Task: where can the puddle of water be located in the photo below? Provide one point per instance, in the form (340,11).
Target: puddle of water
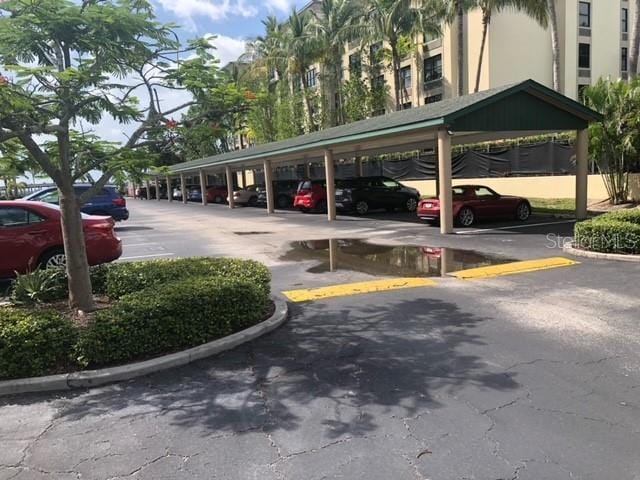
(406,260)
(252,233)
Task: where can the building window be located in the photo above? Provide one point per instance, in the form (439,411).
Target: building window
(377,113)
(310,78)
(429,37)
(405,78)
(584,55)
(406,106)
(433,68)
(378,82)
(625,20)
(355,63)
(374,52)
(584,19)
(624,60)
(433,99)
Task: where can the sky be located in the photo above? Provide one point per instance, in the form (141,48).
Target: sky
(232,22)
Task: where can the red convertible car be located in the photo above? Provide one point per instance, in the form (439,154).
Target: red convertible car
(31,236)
(474,202)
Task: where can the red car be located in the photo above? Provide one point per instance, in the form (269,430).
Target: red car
(217,194)
(31,236)
(311,196)
(473,202)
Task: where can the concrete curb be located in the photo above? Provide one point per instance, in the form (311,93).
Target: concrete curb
(578,252)
(92,378)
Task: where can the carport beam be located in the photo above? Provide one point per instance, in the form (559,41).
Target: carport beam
(230,187)
(582,173)
(331,185)
(169,190)
(444,181)
(203,187)
(183,188)
(268,184)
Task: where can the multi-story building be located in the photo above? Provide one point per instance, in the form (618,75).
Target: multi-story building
(594,42)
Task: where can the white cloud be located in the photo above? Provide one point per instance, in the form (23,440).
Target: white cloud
(212,9)
(228,49)
(279,5)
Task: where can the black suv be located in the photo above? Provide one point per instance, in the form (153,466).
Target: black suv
(284,191)
(362,194)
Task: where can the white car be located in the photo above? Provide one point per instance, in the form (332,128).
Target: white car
(247,196)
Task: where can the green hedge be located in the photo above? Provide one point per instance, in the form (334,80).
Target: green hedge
(118,279)
(170,317)
(614,232)
(34,342)
(123,278)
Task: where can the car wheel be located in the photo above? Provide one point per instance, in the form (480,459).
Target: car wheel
(53,259)
(283,201)
(466,217)
(217,199)
(362,207)
(411,204)
(253,201)
(523,211)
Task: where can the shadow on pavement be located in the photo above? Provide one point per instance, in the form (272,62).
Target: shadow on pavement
(332,370)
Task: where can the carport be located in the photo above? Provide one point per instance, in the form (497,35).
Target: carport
(518,110)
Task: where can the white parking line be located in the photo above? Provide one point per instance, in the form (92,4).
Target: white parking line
(483,230)
(147,256)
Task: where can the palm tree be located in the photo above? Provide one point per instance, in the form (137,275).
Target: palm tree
(300,47)
(635,44)
(267,52)
(454,11)
(390,20)
(333,25)
(536,9)
(555,43)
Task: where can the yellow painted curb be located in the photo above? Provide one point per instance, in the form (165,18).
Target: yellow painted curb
(513,268)
(346,289)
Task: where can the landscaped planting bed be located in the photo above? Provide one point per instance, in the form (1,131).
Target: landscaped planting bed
(613,232)
(148,309)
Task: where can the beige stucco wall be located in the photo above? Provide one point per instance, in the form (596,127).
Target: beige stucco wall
(474,41)
(519,49)
(535,187)
(606,40)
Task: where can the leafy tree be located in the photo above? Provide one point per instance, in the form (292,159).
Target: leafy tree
(615,143)
(76,63)
(555,43)
(390,20)
(536,9)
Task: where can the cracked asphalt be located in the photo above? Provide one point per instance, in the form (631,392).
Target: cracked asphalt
(530,377)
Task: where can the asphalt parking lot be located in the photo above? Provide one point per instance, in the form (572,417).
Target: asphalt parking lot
(532,376)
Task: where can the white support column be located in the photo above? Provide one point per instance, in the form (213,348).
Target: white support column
(158,185)
(203,186)
(582,173)
(444,170)
(307,169)
(183,188)
(329,169)
(169,189)
(147,186)
(268,185)
(230,187)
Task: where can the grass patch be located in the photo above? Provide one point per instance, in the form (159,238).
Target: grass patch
(553,205)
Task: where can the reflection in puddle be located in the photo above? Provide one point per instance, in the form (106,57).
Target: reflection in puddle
(360,256)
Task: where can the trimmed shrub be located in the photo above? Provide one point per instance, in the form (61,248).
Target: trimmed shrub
(34,342)
(631,215)
(608,235)
(168,317)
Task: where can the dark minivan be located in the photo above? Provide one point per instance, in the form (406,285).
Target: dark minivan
(361,194)
(107,201)
(284,192)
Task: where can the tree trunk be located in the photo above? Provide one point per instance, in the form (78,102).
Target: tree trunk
(460,18)
(395,64)
(486,18)
(307,105)
(555,44)
(635,44)
(79,280)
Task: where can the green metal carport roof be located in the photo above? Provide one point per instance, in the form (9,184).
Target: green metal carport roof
(520,109)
